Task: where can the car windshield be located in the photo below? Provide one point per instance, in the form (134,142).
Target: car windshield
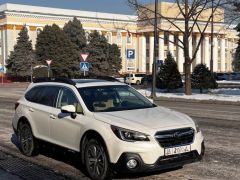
(113,98)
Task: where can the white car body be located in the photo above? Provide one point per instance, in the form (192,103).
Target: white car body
(68,132)
(134,78)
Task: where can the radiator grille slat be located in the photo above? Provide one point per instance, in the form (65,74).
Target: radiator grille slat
(175,137)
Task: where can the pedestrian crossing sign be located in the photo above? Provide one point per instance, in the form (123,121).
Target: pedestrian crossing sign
(84,66)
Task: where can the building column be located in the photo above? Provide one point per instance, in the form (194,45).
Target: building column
(180,57)
(206,51)
(199,52)
(143,53)
(161,46)
(151,52)
(171,44)
(215,54)
(222,58)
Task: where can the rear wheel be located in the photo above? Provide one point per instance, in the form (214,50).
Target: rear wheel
(28,144)
(138,82)
(96,160)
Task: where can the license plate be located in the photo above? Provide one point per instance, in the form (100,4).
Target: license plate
(177,150)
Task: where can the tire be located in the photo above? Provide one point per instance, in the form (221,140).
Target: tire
(96,160)
(138,82)
(28,144)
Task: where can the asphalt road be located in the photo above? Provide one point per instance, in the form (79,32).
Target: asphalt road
(220,125)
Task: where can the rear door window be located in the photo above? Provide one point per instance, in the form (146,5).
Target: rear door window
(49,95)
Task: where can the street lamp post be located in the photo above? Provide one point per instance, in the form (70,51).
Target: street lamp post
(153,93)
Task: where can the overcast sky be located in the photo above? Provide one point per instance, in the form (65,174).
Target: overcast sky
(112,6)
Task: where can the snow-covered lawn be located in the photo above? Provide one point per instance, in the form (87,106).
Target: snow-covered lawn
(221,94)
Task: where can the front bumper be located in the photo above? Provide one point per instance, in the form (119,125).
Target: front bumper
(164,162)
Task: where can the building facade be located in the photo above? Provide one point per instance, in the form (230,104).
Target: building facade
(127,31)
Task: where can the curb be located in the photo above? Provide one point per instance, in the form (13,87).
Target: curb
(197,101)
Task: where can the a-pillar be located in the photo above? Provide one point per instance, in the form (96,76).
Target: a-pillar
(206,51)
(222,52)
(180,58)
(171,43)
(161,46)
(151,51)
(143,53)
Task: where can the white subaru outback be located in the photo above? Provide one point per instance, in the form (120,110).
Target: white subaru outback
(110,124)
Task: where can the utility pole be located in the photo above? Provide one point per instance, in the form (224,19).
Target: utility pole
(154,67)
(212,45)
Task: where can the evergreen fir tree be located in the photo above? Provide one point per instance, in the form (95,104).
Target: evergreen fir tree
(236,61)
(202,78)
(114,59)
(104,58)
(22,57)
(76,33)
(53,43)
(169,74)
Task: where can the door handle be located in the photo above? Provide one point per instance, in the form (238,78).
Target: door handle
(31,109)
(52,117)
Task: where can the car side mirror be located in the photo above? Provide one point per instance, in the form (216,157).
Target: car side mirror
(69,109)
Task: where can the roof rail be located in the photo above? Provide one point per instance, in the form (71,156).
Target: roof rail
(58,79)
(106,78)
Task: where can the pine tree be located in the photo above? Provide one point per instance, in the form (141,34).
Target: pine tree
(22,57)
(104,58)
(169,74)
(202,78)
(236,61)
(76,33)
(114,59)
(53,43)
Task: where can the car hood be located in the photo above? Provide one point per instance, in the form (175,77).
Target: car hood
(159,118)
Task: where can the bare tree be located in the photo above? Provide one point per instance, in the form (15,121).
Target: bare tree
(196,15)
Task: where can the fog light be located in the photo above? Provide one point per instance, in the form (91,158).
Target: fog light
(132,163)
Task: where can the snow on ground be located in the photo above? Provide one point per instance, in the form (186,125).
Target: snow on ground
(221,94)
(228,82)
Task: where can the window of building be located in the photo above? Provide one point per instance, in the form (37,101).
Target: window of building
(147,53)
(39,30)
(166,36)
(129,38)
(119,37)
(109,37)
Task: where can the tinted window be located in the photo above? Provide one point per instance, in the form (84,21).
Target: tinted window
(33,94)
(139,75)
(113,98)
(45,95)
(67,97)
(48,95)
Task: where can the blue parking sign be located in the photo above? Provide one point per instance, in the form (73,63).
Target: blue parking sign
(130,53)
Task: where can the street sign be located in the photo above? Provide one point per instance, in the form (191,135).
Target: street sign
(84,56)
(1,68)
(130,53)
(84,66)
(49,62)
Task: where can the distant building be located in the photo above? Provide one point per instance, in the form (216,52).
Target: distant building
(127,31)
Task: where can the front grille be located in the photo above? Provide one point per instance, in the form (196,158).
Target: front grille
(175,137)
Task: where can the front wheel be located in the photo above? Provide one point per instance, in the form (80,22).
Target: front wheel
(96,160)
(138,82)
(28,144)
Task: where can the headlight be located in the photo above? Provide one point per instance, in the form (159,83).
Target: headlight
(129,135)
(196,125)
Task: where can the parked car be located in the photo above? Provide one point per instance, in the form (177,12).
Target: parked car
(110,125)
(222,76)
(134,78)
(147,81)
